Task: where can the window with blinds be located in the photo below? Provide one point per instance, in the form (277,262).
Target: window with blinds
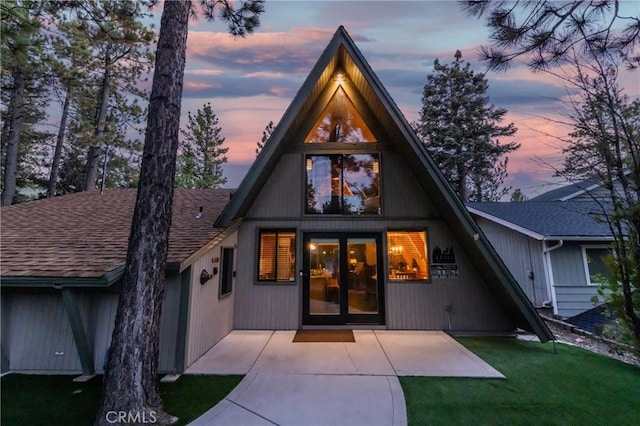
(277,256)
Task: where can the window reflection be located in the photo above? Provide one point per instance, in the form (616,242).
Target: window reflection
(340,122)
(343,184)
(407,255)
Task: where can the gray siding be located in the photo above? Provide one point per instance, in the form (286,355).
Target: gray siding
(520,254)
(405,206)
(37,336)
(283,190)
(574,300)
(424,306)
(169,322)
(210,317)
(40,334)
(568,266)
(573,295)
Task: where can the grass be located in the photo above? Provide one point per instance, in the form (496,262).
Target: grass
(572,387)
(56,400)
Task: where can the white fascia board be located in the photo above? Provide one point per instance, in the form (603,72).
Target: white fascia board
(507,224)
(580,192)
(577,238)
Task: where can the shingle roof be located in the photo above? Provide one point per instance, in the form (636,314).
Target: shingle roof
(85,235)
(549,219)
(559,194)
(591,319)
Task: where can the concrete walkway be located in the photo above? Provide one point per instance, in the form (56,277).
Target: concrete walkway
(346,384)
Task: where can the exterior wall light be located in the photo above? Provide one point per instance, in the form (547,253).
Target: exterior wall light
(204,277)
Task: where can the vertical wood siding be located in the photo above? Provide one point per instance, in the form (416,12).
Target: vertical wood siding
(568,266)
(405,206)
(281,195)
(520,254)
(169,322)
(210,318)
(409,305)
(37,328)
(104,308)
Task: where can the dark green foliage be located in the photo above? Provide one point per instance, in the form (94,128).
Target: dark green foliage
(605,146)
(56,400)
(200,162)
(571,387)
(266,134)
(131,382)
(544,32)
(460,129)
(518,197)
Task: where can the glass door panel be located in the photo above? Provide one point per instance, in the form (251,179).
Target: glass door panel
(324,276)
(342,281)
(362,276)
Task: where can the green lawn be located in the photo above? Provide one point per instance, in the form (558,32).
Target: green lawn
(56,400)
(574,387)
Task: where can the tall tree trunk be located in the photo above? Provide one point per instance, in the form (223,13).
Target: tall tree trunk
(13,138)
(93,156)
(131,381)
(55,164)
(463,191)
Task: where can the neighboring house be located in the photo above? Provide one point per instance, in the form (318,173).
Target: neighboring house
(343,220)
(554,249)
(590,189)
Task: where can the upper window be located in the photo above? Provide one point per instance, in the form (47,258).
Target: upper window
(277,256)
(595,265)
(407,255)
(339,122)
(343,184)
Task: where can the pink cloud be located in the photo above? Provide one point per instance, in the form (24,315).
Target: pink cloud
(205,46)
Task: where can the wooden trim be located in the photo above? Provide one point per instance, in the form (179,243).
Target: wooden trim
(105,280)
(183,319)
(79,335)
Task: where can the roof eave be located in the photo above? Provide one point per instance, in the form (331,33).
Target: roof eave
(507,224)
(105,280)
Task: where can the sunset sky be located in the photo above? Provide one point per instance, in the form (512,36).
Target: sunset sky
(252,81)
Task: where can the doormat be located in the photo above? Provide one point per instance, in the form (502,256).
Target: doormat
(324,336)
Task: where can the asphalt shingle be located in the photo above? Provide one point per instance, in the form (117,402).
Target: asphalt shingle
(86,234)
(551,218)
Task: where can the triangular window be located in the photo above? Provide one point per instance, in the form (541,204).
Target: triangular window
(340,122)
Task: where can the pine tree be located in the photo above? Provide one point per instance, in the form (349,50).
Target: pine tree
(200,163)
(545,32)
(266,134)
(460,129)
(24,69)
(605,145)
(518,197)
(131,379)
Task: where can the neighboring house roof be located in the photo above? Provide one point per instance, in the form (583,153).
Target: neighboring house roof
(592,319)
(83,237)
(566,192)
(551,220)
(342,55)
(575,190)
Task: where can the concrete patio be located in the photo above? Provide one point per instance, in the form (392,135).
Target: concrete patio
(351,383)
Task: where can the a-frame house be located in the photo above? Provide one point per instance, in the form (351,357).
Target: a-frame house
(344,219)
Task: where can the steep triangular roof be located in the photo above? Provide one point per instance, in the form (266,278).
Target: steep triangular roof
(342,55)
